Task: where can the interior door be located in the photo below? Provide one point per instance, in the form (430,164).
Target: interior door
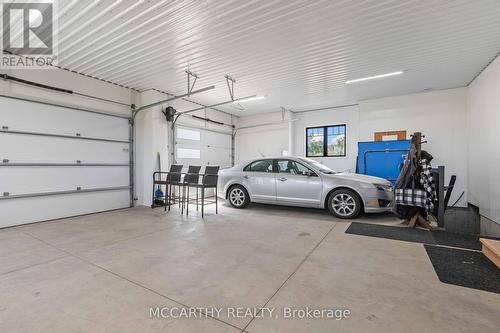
(292,186)
(260,179)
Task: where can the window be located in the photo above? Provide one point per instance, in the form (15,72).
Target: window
(260,166)
(187,134)
(315,141)
(291,167)
(336,140)
(325,141)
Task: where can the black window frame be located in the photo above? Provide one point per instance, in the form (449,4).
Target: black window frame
(325,140)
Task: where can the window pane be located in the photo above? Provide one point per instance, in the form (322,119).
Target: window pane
(291,167)
(333,130)
(186,134)
(315,142)
(261,166)
(282,166)
(300,168)
(336,141)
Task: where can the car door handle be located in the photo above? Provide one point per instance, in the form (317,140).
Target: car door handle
(282,179)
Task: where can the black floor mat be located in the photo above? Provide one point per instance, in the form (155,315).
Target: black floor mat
(464,268)
(415,235)
(457,240)
(397,233)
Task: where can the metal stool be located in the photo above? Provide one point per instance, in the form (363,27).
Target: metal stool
(173,179)
(209,180)
(192,177)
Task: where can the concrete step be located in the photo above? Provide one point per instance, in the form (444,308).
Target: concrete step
(491,249)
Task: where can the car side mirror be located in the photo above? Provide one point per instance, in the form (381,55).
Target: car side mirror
(307,173)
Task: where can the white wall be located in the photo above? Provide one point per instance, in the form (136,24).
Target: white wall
(151,138)
(269,140)
(440,115)
(484,140)
(348,115)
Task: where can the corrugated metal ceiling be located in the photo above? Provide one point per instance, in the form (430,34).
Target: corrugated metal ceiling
(297,53)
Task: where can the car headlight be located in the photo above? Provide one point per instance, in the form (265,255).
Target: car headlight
(384,187)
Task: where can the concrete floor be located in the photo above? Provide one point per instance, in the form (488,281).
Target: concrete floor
(103,272)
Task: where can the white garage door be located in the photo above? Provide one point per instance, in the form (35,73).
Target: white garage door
(58,162)
(198,146)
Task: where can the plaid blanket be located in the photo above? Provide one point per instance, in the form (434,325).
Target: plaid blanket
(411,197)
(427,182)
(424,197)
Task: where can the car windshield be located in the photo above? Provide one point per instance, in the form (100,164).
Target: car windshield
(320,167)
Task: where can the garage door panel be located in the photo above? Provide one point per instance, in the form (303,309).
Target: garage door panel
(216,139)
(191,145)
(20,180)
(29,148)
(40,180)
(213,148)
(29,116)
(28,210)
(217,156)
(185,162)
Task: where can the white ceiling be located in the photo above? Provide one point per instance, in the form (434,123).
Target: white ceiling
(297,53)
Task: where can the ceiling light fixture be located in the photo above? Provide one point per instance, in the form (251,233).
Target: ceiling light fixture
(374,77)
(248,99)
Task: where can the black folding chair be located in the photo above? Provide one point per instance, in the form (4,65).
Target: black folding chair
(209,180)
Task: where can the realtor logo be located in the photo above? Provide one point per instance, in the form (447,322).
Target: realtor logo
(28,34)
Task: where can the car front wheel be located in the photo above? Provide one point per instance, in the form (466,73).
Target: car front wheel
(238,197)
(344,204)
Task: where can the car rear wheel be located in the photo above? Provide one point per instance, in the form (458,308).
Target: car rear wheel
(238,197)
(344,204)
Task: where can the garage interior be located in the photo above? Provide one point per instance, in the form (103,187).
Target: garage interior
(99,234)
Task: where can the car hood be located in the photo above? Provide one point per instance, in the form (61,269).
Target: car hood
(359,178)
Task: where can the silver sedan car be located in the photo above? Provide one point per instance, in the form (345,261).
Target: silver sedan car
(297,181)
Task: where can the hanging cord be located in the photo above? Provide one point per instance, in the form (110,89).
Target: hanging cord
(460,197)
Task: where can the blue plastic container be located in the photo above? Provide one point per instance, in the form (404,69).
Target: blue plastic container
(382,158)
